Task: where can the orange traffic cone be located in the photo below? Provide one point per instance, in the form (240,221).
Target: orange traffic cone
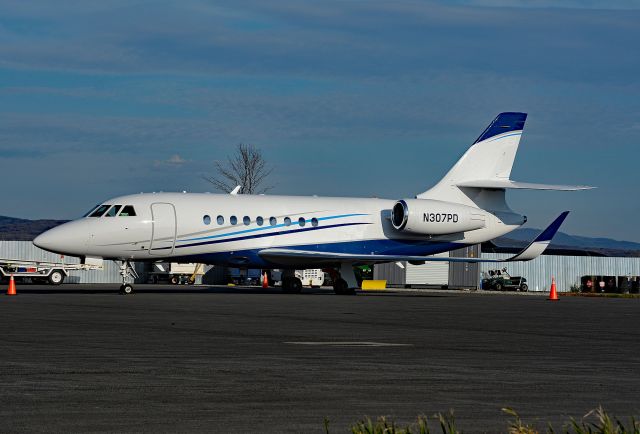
(553,295)
(265,281)
(12,287)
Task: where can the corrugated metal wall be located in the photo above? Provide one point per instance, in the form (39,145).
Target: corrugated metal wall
(464,274)
(26,251)
(394,275)
(566,269)
(429,273)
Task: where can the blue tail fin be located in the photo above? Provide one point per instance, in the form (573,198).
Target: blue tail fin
(503,123)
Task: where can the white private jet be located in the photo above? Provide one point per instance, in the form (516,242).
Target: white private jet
(290,232)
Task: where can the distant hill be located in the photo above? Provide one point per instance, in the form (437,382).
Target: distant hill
(562,239)
(603,246)
(14,229)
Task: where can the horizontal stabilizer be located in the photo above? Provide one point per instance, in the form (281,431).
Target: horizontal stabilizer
(284,256)
(509,184)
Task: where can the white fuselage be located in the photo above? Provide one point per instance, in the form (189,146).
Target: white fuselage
(199,228)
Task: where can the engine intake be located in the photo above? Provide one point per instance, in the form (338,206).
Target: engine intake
(434,217)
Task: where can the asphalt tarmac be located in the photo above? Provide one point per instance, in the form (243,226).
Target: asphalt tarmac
(81,358)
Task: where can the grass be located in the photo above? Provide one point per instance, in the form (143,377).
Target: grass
(597,421)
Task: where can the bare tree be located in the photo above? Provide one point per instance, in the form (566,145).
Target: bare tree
(246,168)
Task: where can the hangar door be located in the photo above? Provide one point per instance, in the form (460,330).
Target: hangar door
(163,235)
(429,273)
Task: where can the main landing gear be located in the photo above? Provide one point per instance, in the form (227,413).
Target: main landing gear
(129,275)
(345,282)
(290,283)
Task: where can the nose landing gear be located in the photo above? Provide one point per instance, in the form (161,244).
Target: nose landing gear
(129,275)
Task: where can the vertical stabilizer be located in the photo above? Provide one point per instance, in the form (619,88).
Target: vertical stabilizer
(489,158)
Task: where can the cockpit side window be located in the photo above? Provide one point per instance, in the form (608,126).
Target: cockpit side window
(101,210)
(128,211)
(113,211)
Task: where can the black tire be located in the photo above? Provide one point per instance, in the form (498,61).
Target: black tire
(498,286)
(175,279)
(126,289)
(56,277)
(341,287)
(292,285)
(524,287)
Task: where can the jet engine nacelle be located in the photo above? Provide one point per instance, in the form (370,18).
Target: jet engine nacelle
(434,217)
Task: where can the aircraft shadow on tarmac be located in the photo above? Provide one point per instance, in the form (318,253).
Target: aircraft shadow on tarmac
(183,289)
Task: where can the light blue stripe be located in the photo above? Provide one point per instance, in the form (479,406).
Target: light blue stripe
(293,223)
(519,133)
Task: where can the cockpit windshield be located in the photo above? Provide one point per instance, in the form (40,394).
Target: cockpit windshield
(91,210)
(113,211)
(101,210)
(128,211)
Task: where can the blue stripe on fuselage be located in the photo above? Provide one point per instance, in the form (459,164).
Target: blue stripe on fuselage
(270,234)
(251,258)
(281,225)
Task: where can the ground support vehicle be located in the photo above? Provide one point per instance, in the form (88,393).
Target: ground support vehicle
(312,277)
(53,273)
(501,280)
(243,276)
(176,273)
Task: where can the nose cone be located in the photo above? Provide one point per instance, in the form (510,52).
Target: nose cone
(68,238)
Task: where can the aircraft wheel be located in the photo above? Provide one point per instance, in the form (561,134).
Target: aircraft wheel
(126,289)
(56,277)
(292,285)
(341,287)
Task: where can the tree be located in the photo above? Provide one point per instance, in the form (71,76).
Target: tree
(246,168)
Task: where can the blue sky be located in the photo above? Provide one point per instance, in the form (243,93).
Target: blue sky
(351,98)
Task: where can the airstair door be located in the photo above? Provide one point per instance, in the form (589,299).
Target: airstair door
(163,235)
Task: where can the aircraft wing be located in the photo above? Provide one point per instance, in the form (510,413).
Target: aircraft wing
(286,256)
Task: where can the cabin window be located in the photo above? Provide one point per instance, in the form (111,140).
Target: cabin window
(113,211)
(246,220)
(220,220)
(128,211)
(273,221)
(314,222)
(206,220)
(101,210)
(233,220)
(259,220)
(301,221)
(287,221)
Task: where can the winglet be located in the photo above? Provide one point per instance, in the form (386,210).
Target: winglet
(542,241)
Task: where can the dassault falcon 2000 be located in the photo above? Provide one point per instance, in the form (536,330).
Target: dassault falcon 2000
(466,207)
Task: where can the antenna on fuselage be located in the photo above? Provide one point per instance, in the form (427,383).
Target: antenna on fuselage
(235,190)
